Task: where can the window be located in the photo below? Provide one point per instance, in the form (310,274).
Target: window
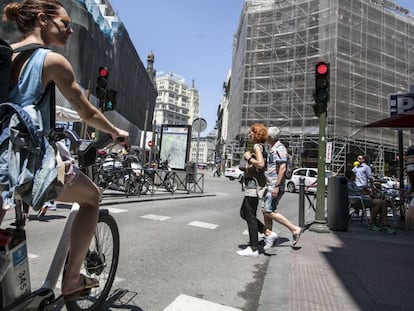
(301,173)
(313,173)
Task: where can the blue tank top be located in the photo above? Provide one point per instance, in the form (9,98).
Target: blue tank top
(30,87)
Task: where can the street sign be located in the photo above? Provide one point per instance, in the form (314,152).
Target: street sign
(149,143)
(328,157)
(400,103)
(199,125)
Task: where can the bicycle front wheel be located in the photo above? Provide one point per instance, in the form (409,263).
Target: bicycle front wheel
(101,262)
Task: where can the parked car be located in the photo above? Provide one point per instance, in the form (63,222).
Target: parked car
(311,177)
(233,173)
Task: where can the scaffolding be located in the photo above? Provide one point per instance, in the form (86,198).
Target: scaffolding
(369,45)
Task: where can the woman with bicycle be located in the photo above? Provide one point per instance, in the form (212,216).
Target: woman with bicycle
(46,22)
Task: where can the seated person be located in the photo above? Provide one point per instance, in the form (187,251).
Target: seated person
(409,167)
(377,206)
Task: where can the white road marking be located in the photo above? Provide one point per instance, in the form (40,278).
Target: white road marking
(155,217)
(188,303)
(223,193)
(205,225)
(116,210)
(32,256)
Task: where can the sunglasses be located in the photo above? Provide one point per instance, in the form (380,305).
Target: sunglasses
(66,23)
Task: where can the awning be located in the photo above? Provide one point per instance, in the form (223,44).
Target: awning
(401,121)
(66,115)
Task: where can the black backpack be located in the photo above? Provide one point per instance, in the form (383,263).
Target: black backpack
(22,147)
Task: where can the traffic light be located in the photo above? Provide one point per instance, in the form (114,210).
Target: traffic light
(321,94)
(102,83)
(110,100)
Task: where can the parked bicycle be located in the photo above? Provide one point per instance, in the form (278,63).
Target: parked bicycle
(162,176)
(101,261)
(120,172)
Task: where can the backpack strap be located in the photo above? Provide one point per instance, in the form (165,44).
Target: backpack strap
(278,154)
(29,47)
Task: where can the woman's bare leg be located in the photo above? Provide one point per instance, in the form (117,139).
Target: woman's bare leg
(86,194)
(284,221)
(268,223)
(2,211)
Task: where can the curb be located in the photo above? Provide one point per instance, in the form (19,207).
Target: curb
(117,200)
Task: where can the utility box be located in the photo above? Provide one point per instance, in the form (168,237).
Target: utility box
(337,203)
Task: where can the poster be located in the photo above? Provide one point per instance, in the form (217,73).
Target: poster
(175,145)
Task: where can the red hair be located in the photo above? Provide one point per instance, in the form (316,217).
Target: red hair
(260,132)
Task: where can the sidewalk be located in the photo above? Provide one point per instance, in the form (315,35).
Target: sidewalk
(353,270)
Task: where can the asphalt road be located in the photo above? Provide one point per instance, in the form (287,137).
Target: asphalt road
(173,249)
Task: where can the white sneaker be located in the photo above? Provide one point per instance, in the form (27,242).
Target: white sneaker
(51,206)
(248,252)
(269,240)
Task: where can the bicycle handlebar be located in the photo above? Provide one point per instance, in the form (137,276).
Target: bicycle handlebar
(86,149)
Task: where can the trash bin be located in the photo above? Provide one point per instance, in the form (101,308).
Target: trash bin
(190,172)
(337,203)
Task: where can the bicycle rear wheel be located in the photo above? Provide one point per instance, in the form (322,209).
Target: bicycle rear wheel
(101,262)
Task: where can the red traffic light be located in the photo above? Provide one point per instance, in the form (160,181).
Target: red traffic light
(322,68)
(103,72)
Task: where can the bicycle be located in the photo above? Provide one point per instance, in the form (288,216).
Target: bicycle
(162,177)
(120,173)
(101,261)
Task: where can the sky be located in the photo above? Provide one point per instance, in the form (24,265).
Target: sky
(191,38)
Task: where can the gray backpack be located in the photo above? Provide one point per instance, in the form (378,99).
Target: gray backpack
(289,165)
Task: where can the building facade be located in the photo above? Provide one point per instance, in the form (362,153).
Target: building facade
(369,47)
(177,103)
(205,146)
(100,39)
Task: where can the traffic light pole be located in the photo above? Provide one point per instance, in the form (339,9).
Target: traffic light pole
(144,156)
(320,224)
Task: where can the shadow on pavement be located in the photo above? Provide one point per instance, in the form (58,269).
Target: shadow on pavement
(375,268)
(122,299)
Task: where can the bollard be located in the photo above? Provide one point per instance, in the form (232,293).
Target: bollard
(301,201)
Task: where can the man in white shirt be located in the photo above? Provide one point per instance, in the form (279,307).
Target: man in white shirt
(362,173)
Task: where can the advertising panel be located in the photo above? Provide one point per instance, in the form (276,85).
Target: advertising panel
(175,145)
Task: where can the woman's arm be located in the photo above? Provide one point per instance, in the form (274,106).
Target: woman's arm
(257,160)
(58,69)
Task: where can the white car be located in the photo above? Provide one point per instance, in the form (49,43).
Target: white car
(233,173)
(311,178)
